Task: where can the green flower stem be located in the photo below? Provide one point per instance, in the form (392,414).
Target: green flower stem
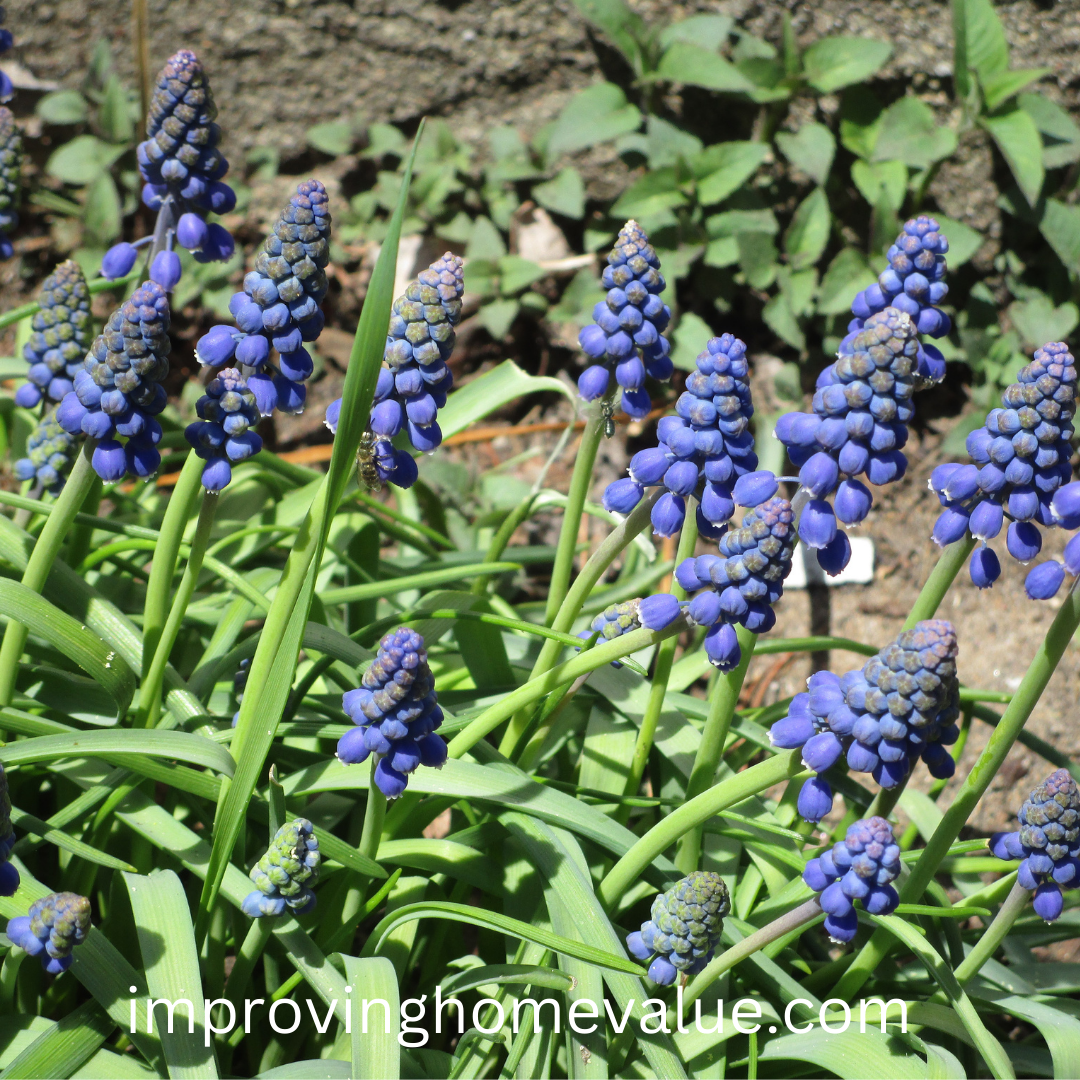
(166,552)
(615,542)
(665,657)
(566,672)
(690,815)
(79,545)
(374,818)
(247,956)
(9,975)
(502,538)
(52,536)
(950,563)
(150,693)
(725,696)
(994,934)
(580,482)
(974,786)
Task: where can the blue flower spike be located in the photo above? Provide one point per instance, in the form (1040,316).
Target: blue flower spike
(860,867)
(284,875)
(59,337)
(50,453)
(11,159)
(225,433)
(1019,473)
(703,450)
(9,875)
(741,584)
(655,612)
(902,705)
(414,381)
(54,925)
(119,392)
(279,308)
(7,87)
(1047,843)
(683,928)
(627,334)
(396,714)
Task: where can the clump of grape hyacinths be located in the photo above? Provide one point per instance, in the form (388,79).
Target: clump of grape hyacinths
(1019,461)
(627,334)
(858,427)
(1047,843)
(54,925)
(119,390)
(224,433)
(182,168)
(11,158)
(59,337)
(284,875)
(396,713)
(683,929)
(279,307)
(902,705)
(861,867)
(9,876)
(413,385)
(239,683)
(913,282)
(701,451)
(7,88)
(740,585)
(50,452)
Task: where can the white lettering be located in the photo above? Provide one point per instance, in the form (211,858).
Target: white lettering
(580,1006)
(296,1016)
(737,1015)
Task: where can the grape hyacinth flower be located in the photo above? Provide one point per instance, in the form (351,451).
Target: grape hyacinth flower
(239,684)
(858,426)
(396,713)
(50,452)
(1019,464)
(655,612)
(900,706)
(59,338)
(279,307)
(740,585)
(224,433)
(701,450)
(913,282)
(284,875)
(182,169)
(119,390)
(415,380)
(54,925)
(11,158)
(9,875)
(683,929)
(627,334)
(7,87)
(1047,843)
(860,867)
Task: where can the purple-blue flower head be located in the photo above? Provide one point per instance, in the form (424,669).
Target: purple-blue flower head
(50,453)
(626,335)
(225,432)
(54,925)
(11,158)
(9,876)
(284,875)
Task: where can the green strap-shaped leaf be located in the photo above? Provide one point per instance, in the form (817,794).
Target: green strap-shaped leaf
(852,1055)
(37,827)
(66,1046)
(60,630)
(375,1052)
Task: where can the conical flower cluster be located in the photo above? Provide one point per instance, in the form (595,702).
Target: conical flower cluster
(913,282)
(653,612)
(54,925)
(413,385)
(702,450)
(627,334)
(740,585)
(279,307)
(11,158)
(9,876)
(684,927)
(284,875)
(225,433)
(50,452)
(860,867)
(900,706)
(59,338)
(396,713)
(1020,458)
(118,392)
(858,427)
(7,87)
(1048,843)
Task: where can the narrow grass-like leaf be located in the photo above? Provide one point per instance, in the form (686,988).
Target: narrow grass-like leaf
(58,838)
(348,594)
(176,745)
(506,975)
(65,1047)
(852,1055)
(376,1052)
(312,1069)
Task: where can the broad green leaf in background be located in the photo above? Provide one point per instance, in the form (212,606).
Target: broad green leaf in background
(1038,321)
(689,339)
(1055,124)
(595,115)
(667,144)
(621,24)
(810,149)
(705,31)
(101,214)
(964,241)
(687,63)
(82,160)
(861,114)
(757,258)
(564,195)
(908,133)
(63,107)
(376,1051)
(738,161)
(498,316)
(808,233)
(1018,139)
(335,137)
(878,179)
(848,274)
(655,192)
(835,62)
(485,241)
(517,273)
(114,112)
(997,89)
(980,42)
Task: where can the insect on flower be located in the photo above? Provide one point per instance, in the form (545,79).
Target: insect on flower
(367,475)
